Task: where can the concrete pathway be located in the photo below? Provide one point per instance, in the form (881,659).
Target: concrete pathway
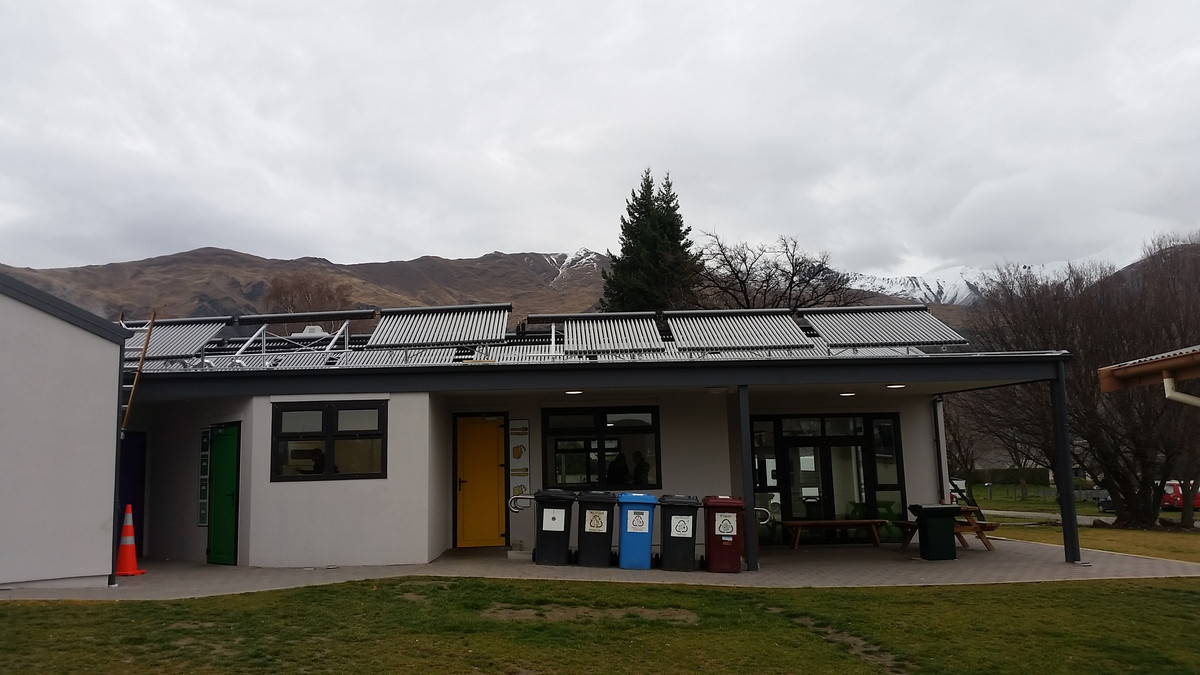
(1049,517)
(781,567)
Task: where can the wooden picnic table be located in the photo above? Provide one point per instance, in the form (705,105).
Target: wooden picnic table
(966,524)
(797,527)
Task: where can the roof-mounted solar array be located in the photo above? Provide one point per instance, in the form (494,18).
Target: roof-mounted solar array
(888,326)
(173,339)
(736,330)
(604,333)
(474,335)
(433,326)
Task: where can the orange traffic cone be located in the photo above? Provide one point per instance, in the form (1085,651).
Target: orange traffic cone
(127,551)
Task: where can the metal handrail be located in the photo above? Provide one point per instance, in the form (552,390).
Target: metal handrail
(512,502)
(765,511)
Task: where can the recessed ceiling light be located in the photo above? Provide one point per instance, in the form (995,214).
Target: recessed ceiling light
(574,392)
(896,386)
(846,393)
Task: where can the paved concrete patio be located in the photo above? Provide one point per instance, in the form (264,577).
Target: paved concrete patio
(811,566)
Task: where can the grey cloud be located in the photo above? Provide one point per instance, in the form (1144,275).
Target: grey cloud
(899,137)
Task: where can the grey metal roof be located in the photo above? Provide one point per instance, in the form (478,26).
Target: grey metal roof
(76,316)
(473,336)
(898,326)
(598,333)
(710,331)
(430,326)
(1194,349)
(173,340)
(384,358)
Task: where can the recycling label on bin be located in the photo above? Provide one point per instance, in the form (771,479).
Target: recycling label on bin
(637,520)
(595,520)
(681,526)
(554,520)
(726,524)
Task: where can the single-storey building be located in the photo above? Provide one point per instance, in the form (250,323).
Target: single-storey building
(62,371)
(313,445)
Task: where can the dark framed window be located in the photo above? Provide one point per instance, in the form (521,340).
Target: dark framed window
(329,440)
(602,448)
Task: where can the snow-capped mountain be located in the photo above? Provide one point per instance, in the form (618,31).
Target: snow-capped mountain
(953,286)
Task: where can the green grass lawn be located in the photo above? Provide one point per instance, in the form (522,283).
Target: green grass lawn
(1040,499)
(1175,545)
(496,626)
(526,626)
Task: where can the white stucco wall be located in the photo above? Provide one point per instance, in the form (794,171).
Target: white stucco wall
(173,472)
(693,438)
(297,524)
(58,414)
(408,517)
(346,522)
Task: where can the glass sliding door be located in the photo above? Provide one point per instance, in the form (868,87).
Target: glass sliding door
(829,467)
(807,489)
(767,477)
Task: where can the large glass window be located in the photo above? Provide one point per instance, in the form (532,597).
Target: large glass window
(822,467)
(329,440)
(602,448)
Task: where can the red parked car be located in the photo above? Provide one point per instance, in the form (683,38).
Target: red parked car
(1172,499)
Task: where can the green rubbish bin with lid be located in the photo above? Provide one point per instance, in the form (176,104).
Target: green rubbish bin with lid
(595,529)
(935,528)
(553,527)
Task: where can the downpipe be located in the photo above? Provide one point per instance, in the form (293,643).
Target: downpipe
(1172,395)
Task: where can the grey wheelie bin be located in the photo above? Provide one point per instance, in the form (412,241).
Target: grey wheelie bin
(554,527)
(595,529)
(678,517)
(935,527)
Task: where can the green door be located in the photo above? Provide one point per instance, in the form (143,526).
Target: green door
(223,494)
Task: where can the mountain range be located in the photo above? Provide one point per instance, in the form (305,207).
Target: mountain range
(220,282)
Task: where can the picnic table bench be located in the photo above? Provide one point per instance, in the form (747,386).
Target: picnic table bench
(797,527)
(966,525)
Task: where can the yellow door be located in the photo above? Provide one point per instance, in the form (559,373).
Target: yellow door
(481,492)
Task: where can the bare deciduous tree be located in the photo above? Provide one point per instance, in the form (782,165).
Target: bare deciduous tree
(1129,441)
(307,291)
(962,438)
(739,275)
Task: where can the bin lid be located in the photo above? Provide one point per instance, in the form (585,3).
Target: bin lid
(554,495)
(636,498)
(934,509)
(595,496)
(722,500)
(679,500)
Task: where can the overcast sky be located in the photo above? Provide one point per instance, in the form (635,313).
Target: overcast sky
(901,138)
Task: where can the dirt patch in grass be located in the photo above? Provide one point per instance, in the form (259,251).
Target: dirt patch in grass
(415,597)
(560,613)
(859,647)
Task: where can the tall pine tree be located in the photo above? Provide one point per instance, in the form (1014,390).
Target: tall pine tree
(657,269)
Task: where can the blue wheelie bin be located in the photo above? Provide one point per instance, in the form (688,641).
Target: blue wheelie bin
(637,530)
